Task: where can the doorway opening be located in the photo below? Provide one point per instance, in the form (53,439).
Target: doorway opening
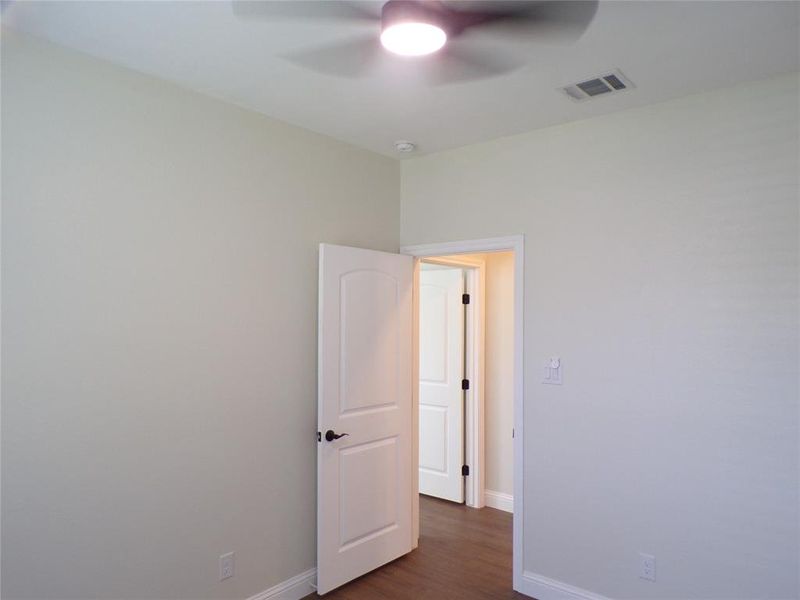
(450,366)
(368,501)
(476,426)
(466,346)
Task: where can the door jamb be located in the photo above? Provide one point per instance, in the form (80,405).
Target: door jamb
(474,369)
(515,243)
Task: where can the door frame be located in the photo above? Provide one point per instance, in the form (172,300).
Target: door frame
(516,244)
(474,369)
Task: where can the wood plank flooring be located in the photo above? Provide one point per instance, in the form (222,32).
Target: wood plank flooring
(463,553)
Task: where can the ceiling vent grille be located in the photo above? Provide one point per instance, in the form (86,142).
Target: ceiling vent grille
(602,85)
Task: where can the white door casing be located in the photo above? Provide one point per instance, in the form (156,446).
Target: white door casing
(515,243)
(441,370)
(364,480)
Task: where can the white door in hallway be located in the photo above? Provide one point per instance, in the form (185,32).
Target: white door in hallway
(441,370)
(364,465)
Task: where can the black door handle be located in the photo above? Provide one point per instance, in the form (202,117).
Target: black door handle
(331,435)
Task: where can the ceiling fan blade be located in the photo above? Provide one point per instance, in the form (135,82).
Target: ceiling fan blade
(361,57)
(547,21)
(325,10)
(459,62)
(354,58)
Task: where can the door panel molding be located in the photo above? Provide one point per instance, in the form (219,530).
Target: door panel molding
(364,479)
(442,401)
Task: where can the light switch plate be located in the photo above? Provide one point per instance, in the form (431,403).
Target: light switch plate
(552,371)
(226,566)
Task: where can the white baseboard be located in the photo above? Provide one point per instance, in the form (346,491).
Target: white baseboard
(532,584)
(499,500)
(295,588)
(543,588)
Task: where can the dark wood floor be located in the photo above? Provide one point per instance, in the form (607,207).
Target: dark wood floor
(463,553)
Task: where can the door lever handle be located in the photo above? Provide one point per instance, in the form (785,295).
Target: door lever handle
(331,435)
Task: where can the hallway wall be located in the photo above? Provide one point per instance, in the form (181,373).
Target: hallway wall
(499,372)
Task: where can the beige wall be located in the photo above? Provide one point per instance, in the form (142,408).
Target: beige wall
(499,375)
(661,264)
(159,258)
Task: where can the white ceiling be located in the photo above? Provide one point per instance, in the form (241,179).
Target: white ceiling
(668,49)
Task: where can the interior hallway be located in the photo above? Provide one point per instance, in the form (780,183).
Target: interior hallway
(463,553)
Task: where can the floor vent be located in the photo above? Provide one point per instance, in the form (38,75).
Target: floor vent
(602,85)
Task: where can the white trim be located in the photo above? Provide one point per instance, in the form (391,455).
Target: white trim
(516,243)
(544,588)
(467,261)
(475,370)
(464,246)
(294,588)
(499,500)
(414,491)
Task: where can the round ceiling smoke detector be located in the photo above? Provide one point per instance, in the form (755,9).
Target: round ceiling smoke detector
(404,146)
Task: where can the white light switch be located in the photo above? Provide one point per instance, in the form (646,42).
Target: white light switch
(226,566)
(552,371)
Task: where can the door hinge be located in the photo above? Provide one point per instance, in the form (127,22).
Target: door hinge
(464,298)
(465,384)
(464,470)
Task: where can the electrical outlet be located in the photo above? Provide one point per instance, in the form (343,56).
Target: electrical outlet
(226,566)
(647,567)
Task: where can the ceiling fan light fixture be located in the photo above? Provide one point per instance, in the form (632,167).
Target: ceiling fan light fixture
(413,39)
(408,28)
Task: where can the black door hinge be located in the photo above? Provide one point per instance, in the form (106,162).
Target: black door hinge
(464,470)
(464,298)
(465,384)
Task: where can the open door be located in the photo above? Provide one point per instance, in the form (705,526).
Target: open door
(441,371)
(364,465)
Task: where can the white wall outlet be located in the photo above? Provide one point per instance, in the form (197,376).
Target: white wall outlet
(647,567)
(226,566)
(552,371)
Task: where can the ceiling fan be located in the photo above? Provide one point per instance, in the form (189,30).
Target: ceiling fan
(432,37)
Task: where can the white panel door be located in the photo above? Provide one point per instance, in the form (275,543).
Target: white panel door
(364,479)
(441,369)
